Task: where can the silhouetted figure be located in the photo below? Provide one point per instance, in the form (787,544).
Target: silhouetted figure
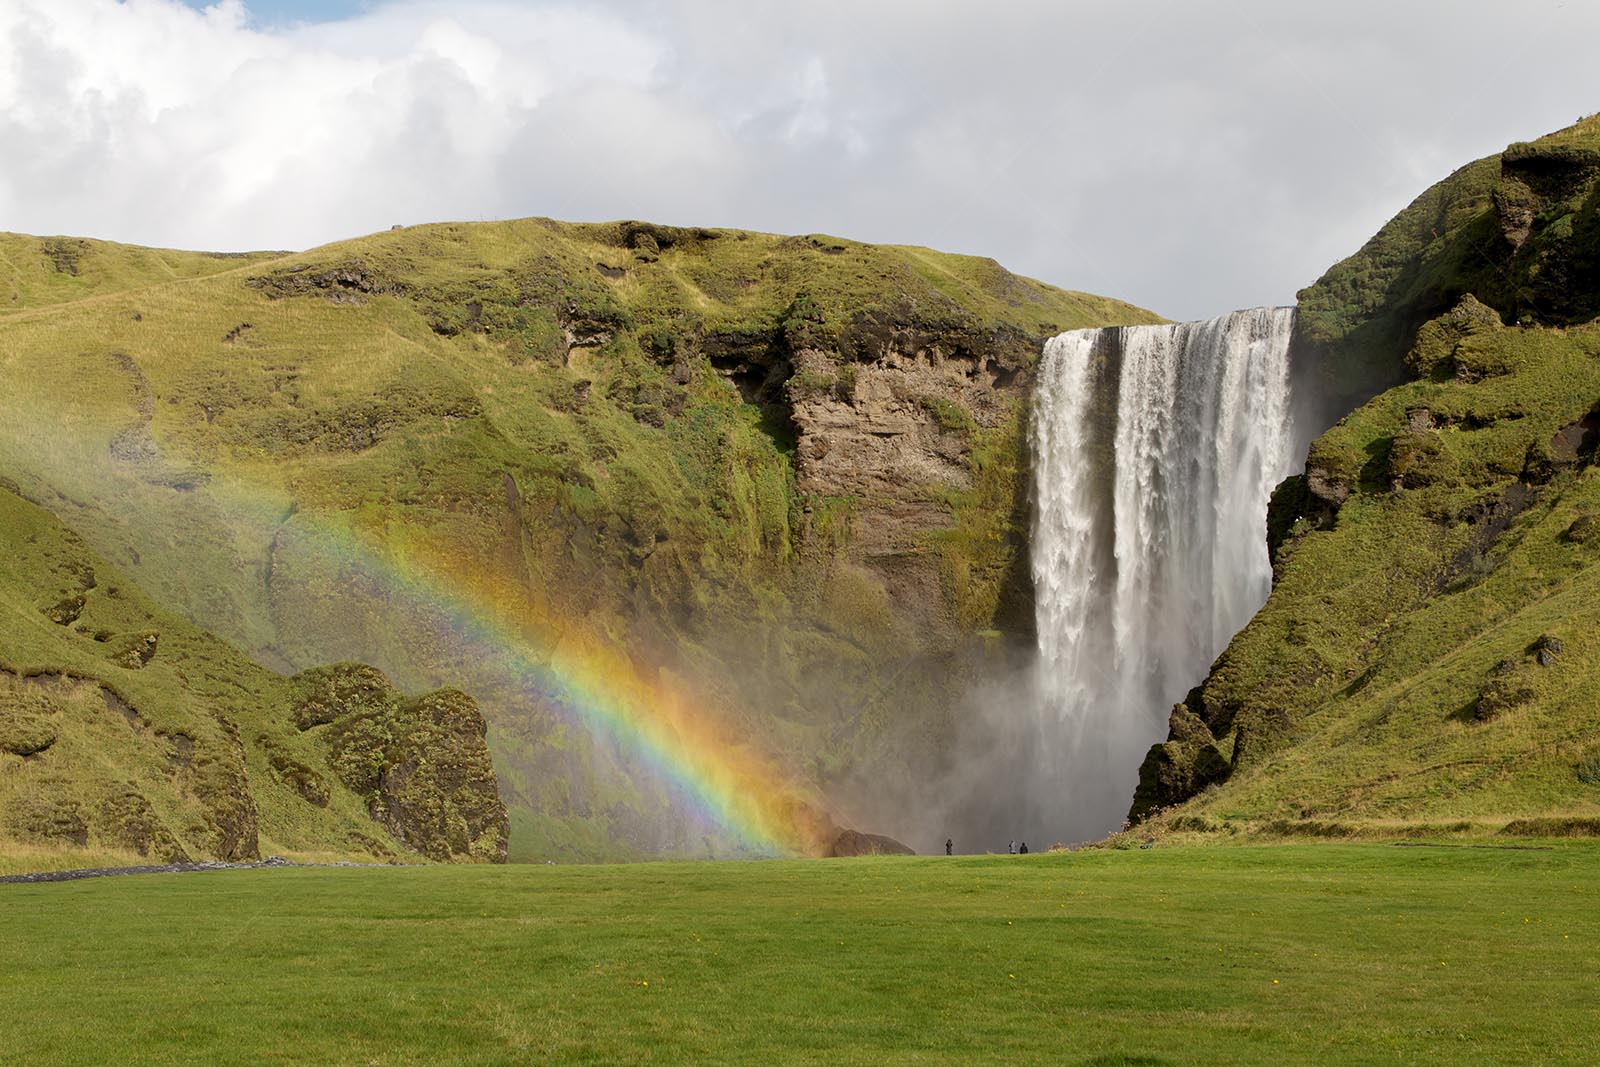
(1011,849)
(949,847)
(1024,848)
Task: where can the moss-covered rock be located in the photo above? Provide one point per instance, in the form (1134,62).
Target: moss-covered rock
(1418,458)
(1179,768)
(1443,348)
(126,819)
(422,766)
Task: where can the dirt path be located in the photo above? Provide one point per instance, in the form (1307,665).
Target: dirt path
(160,868)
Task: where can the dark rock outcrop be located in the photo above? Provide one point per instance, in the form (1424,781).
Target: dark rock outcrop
(1179,768)
(856,843)
(126,818)
(422,766)
(351,282)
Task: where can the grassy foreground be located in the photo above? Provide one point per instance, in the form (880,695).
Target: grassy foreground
(1328,954)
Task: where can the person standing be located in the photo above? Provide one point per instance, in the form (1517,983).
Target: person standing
(1011,849)
(949,846)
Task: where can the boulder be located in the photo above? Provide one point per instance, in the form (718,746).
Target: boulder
(856,843)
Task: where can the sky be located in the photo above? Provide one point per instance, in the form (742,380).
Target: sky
(1191,157)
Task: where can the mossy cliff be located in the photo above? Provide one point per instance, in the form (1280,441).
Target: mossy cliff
(1519,231)
(1430,653)
(787,472)
(126,731)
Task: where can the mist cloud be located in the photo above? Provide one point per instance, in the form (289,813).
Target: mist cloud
(1191,158)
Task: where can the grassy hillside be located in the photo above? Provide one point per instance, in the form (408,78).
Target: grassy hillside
(128,734)
(780,477)
(1292,954)
(43,271)
(1431,649)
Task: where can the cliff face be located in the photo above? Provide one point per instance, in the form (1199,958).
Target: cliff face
(783,473)
(125,731)
(1426,655)
(921,427)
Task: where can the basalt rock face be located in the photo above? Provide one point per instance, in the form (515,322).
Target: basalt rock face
(1433,568)
(899,417)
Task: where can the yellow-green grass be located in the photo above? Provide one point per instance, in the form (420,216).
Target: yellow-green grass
(1325,954)
(43,271)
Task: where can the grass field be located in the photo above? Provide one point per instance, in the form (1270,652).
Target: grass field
(1325,954)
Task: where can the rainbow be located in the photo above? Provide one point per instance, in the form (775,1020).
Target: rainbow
(676,731)
(680,735)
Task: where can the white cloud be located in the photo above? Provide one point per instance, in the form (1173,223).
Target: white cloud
(1189,157)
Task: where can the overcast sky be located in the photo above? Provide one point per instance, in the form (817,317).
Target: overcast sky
(1189,156)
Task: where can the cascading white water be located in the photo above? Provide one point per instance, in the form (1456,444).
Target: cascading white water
(1156,449)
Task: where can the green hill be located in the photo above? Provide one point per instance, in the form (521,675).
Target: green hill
(1430,653)
(740,511)
(44,271)
(126,731)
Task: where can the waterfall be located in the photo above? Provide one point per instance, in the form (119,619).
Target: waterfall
(1156,449)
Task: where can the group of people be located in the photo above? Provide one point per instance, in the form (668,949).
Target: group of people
(1011,850)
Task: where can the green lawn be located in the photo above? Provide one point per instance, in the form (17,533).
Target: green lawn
(1324,954)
